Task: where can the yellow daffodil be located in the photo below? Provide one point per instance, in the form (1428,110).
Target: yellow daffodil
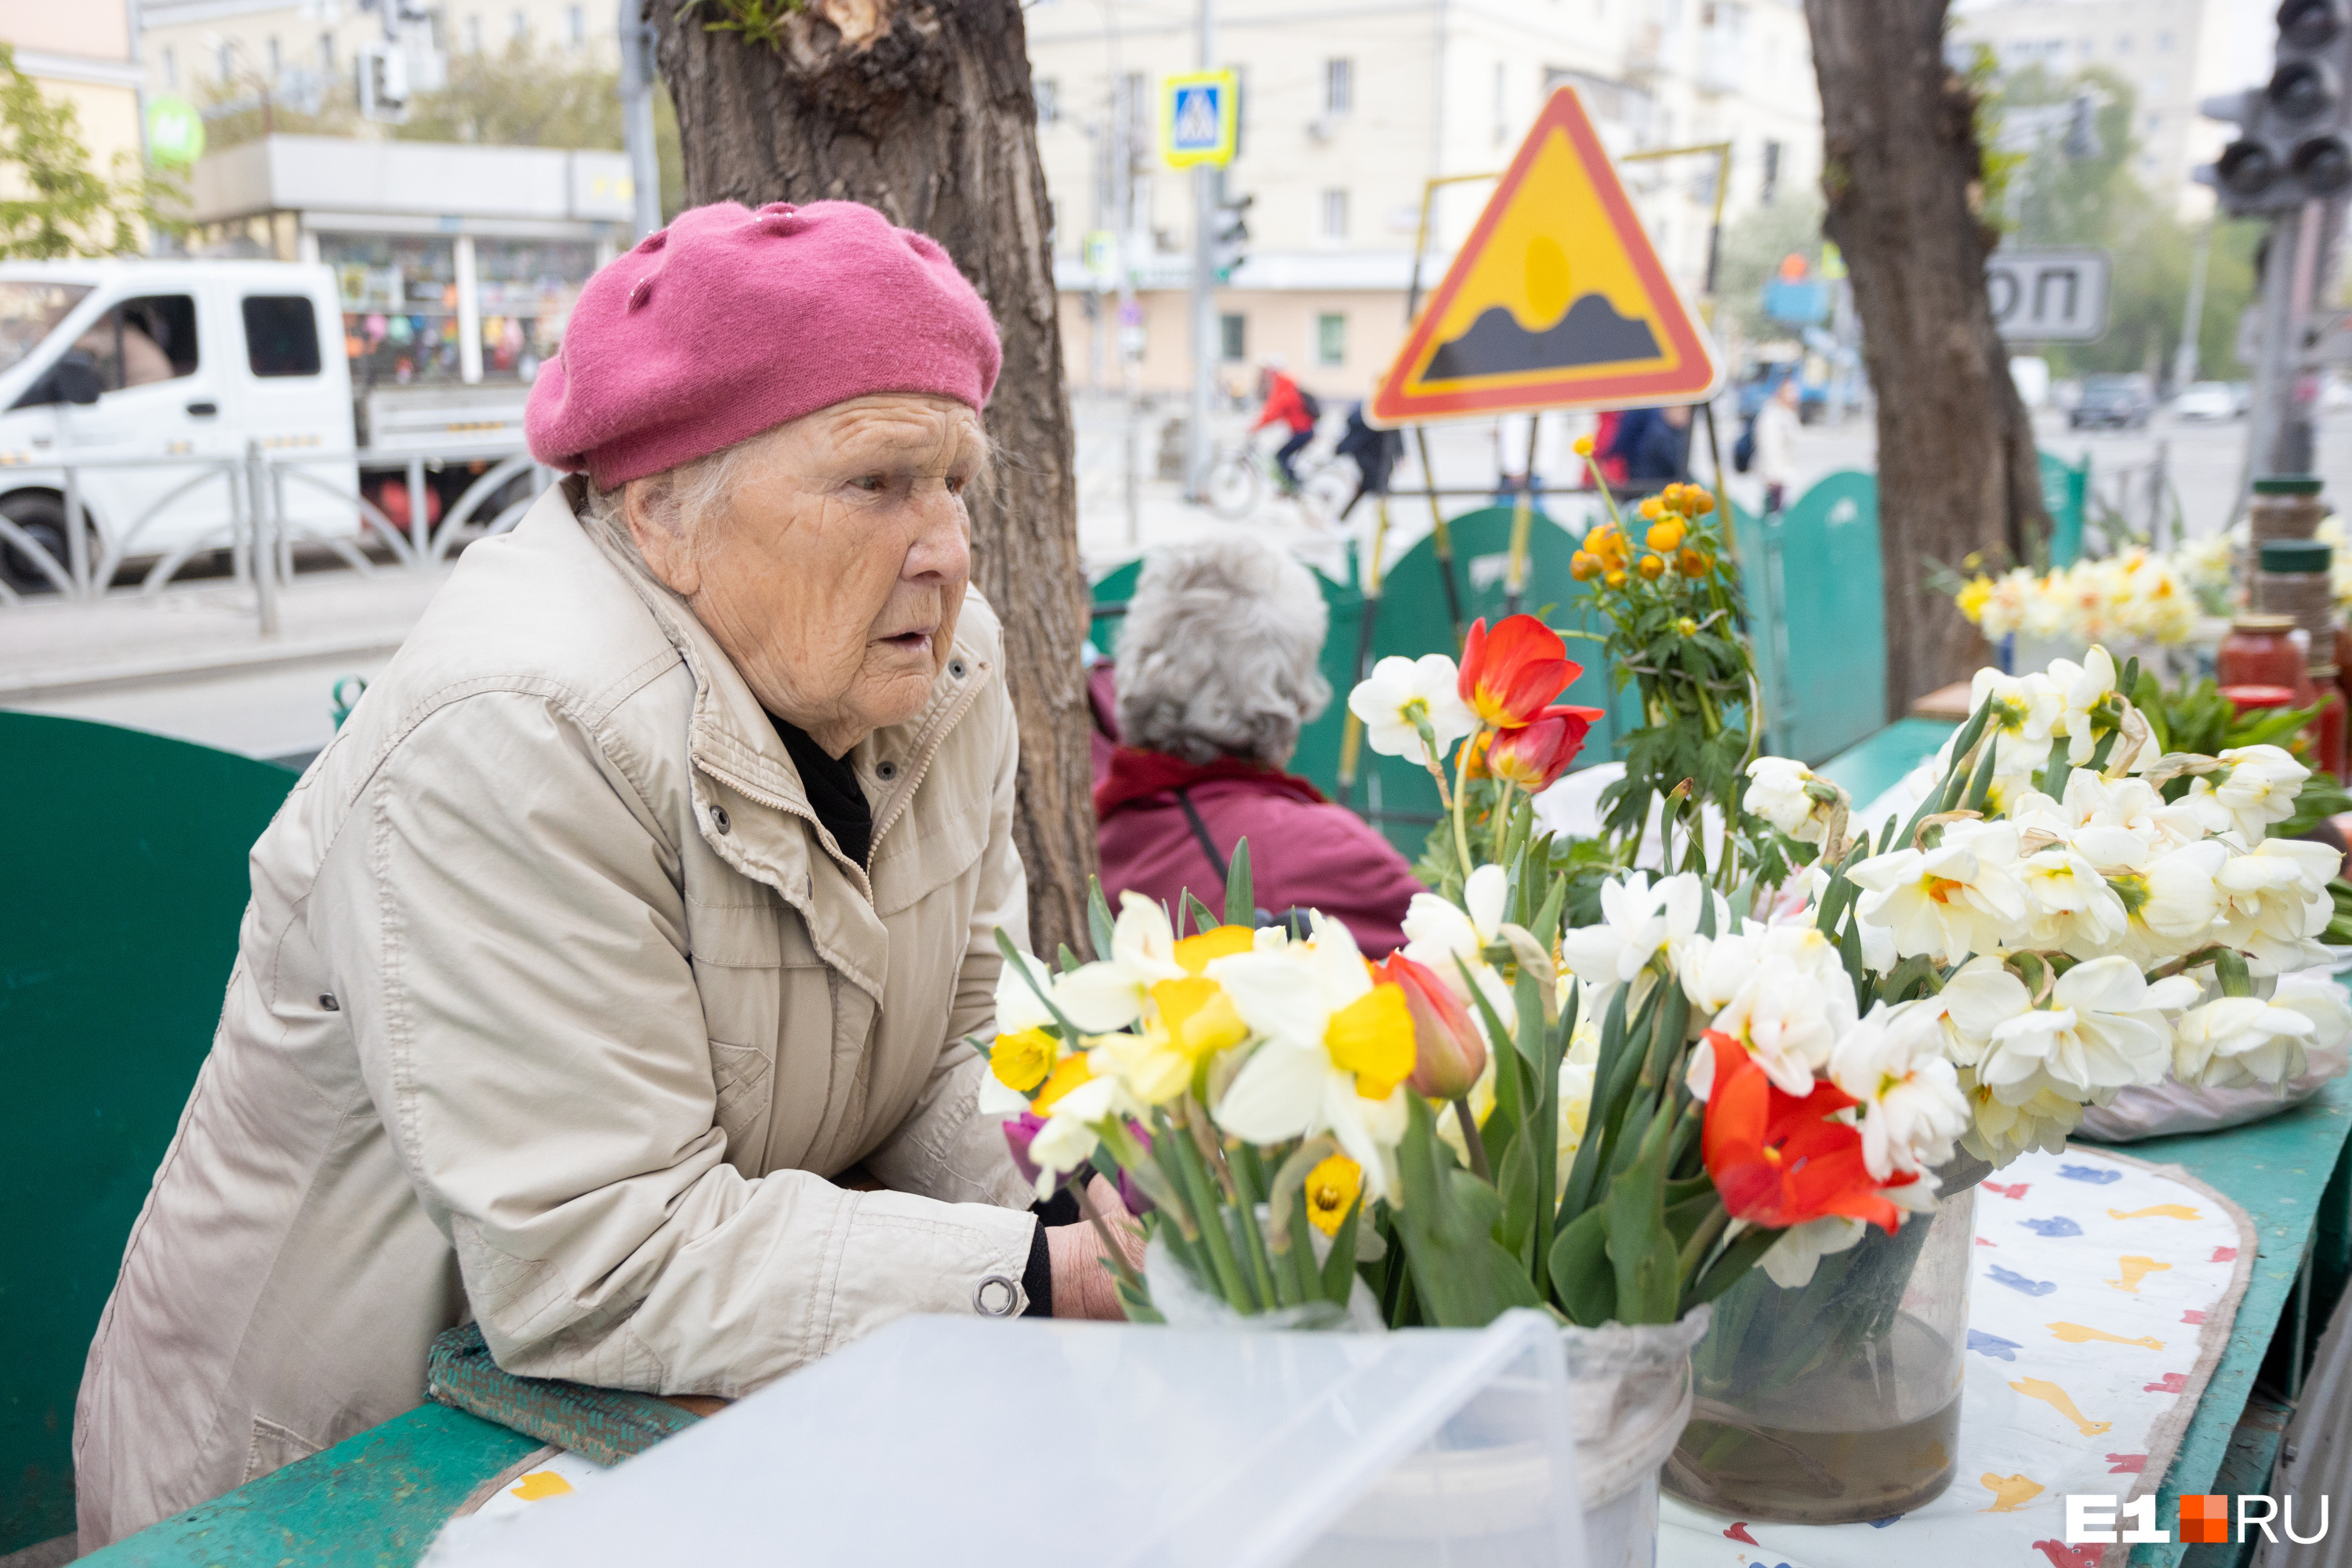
(1195,953)
(1338,1050)
(1068,1073)
(1332,1188)
(1973,598)
(1020,1060)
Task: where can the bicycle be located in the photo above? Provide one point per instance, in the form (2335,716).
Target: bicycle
(1241,476)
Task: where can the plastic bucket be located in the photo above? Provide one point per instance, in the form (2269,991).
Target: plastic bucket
(1629,1391)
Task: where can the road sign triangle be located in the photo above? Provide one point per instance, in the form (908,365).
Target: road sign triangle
(1556,301)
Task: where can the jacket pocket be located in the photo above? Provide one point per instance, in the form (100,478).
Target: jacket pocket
(273,1448)
(742,1075)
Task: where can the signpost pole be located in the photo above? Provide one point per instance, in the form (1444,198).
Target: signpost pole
(1351,729)
(1204,301)
(1523,517)
(1440,537)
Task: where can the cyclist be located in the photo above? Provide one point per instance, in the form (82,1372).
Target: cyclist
(1292,406)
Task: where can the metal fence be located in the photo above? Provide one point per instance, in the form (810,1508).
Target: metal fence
(261,532)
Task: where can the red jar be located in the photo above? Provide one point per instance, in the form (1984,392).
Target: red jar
(2327,730)
(2263,650)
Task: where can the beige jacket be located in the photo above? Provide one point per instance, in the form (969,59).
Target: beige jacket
(554,1007)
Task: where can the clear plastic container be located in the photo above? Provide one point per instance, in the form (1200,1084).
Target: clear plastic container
(1070,1444)
(1838,1402)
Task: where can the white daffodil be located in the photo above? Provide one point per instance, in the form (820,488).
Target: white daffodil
(1959,898)
(2001,1132)
(1639,920)
(1790,1011)
(2072,906)
(2098,1034)
(2172,900)
(2277,900)
(2025,710)
(1338,1050)
(1067,1140)
(1792,1258)
(2256,788)
(1109,993)
(1446,938)
(1400,695)
(1018,1003)
(1776,792)
(1893,1061)
(2081,688)
(2239,1040)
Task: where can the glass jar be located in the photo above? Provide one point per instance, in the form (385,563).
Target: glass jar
(2261,651)
(1838,1402)
(2284,506)
(2327,730)
(2292,577)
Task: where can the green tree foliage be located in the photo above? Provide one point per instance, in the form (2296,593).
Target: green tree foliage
(1753,247)
(65,208)
(519,96)
(2088,195)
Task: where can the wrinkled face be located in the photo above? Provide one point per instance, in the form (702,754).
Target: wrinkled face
(832,573)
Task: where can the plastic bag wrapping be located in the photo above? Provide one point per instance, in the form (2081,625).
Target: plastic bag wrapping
(1185,1305)
(1629,1394)
(2164,1108)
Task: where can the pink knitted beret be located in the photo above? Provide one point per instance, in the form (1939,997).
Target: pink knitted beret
(731,321)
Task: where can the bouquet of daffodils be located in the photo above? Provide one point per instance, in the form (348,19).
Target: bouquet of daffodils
(2139,594)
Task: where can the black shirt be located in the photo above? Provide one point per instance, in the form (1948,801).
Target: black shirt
(833,791)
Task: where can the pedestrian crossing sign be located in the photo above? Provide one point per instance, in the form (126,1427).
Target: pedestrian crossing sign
(1200,114)
(1556,301)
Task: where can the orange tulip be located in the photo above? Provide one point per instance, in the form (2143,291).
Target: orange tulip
(1449,1051)
(1509,675)
(1533,755)
(1778,1161)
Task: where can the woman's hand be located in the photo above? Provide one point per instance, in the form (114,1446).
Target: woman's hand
(1083,1286)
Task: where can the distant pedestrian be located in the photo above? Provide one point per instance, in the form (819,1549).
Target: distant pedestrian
(1286,404)
(1776,443)
(1655,445)
(1374,453)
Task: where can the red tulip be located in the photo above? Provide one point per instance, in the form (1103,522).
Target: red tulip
(1509,674)
(1778,1161)
(1539,751)
(1449,1053)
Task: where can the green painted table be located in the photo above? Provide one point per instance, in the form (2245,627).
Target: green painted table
(378,1498)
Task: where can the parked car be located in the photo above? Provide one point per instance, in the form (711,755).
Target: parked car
(2114,402)
(2206,400)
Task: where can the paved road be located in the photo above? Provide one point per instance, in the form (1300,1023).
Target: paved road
(188,662)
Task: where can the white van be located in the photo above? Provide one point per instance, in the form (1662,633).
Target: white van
(115,365)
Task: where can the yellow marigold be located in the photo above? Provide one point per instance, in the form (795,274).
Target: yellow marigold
(1584,566)
(1583,445)
(1332,1188)
(1652,567)
(1663,537)
(1616,578)
(1651,508)
(1702,502)
(1686,628)
(1694,562)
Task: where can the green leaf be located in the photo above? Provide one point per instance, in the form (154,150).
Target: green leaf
(1517,1183)
(1980,786)
(1641,1248)
(1065,961)
(1582,1280)
(1339,1267)
(1527,1001)
(1730,1265)
(1098,920)
(1241,892)
(1461,1275)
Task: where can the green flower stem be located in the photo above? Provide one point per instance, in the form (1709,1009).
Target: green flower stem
(1246,1183)
(1474,1140)
(1203,1197)
(1702,1242)
(1461,801)
(1502,818)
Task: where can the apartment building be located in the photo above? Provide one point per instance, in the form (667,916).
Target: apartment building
(1348,110)
(2173,53)
(87,55)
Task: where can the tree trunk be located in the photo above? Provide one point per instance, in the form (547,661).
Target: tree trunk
(1902,176)
(922,109)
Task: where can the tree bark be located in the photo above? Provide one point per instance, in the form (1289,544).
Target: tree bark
(1904,179)
(922,109)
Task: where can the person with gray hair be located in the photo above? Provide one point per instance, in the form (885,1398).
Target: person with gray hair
(1217,672)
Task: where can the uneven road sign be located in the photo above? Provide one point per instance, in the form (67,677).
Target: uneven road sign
(1556,301)
(2048,296)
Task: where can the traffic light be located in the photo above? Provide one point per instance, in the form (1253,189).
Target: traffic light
(1229,234)
(2291,145)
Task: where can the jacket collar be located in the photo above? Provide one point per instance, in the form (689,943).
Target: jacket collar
(732,741)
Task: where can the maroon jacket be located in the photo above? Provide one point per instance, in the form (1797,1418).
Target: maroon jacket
(1305,852)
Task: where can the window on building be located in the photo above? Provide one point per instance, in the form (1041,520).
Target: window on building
(141,342)
(2152,124)
(578,19)
(400,305)
(1771,186)
(1502,112)
(1334,214)
(171,69)
(281,334)
(2163,42)
(1332,338)
(1049,100)
(326,53)
(474,35)
(1339,85)
(1135,107)
(276,62)
(518,26)
(526,288)
(1233,339)
(2122,43)
(224,60)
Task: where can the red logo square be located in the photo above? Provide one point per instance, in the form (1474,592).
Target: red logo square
(2205,1518)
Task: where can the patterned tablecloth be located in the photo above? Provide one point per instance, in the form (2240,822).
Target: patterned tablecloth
(2102,1298)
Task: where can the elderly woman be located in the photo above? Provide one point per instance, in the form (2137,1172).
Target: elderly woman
(650,889)
(1217,672)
